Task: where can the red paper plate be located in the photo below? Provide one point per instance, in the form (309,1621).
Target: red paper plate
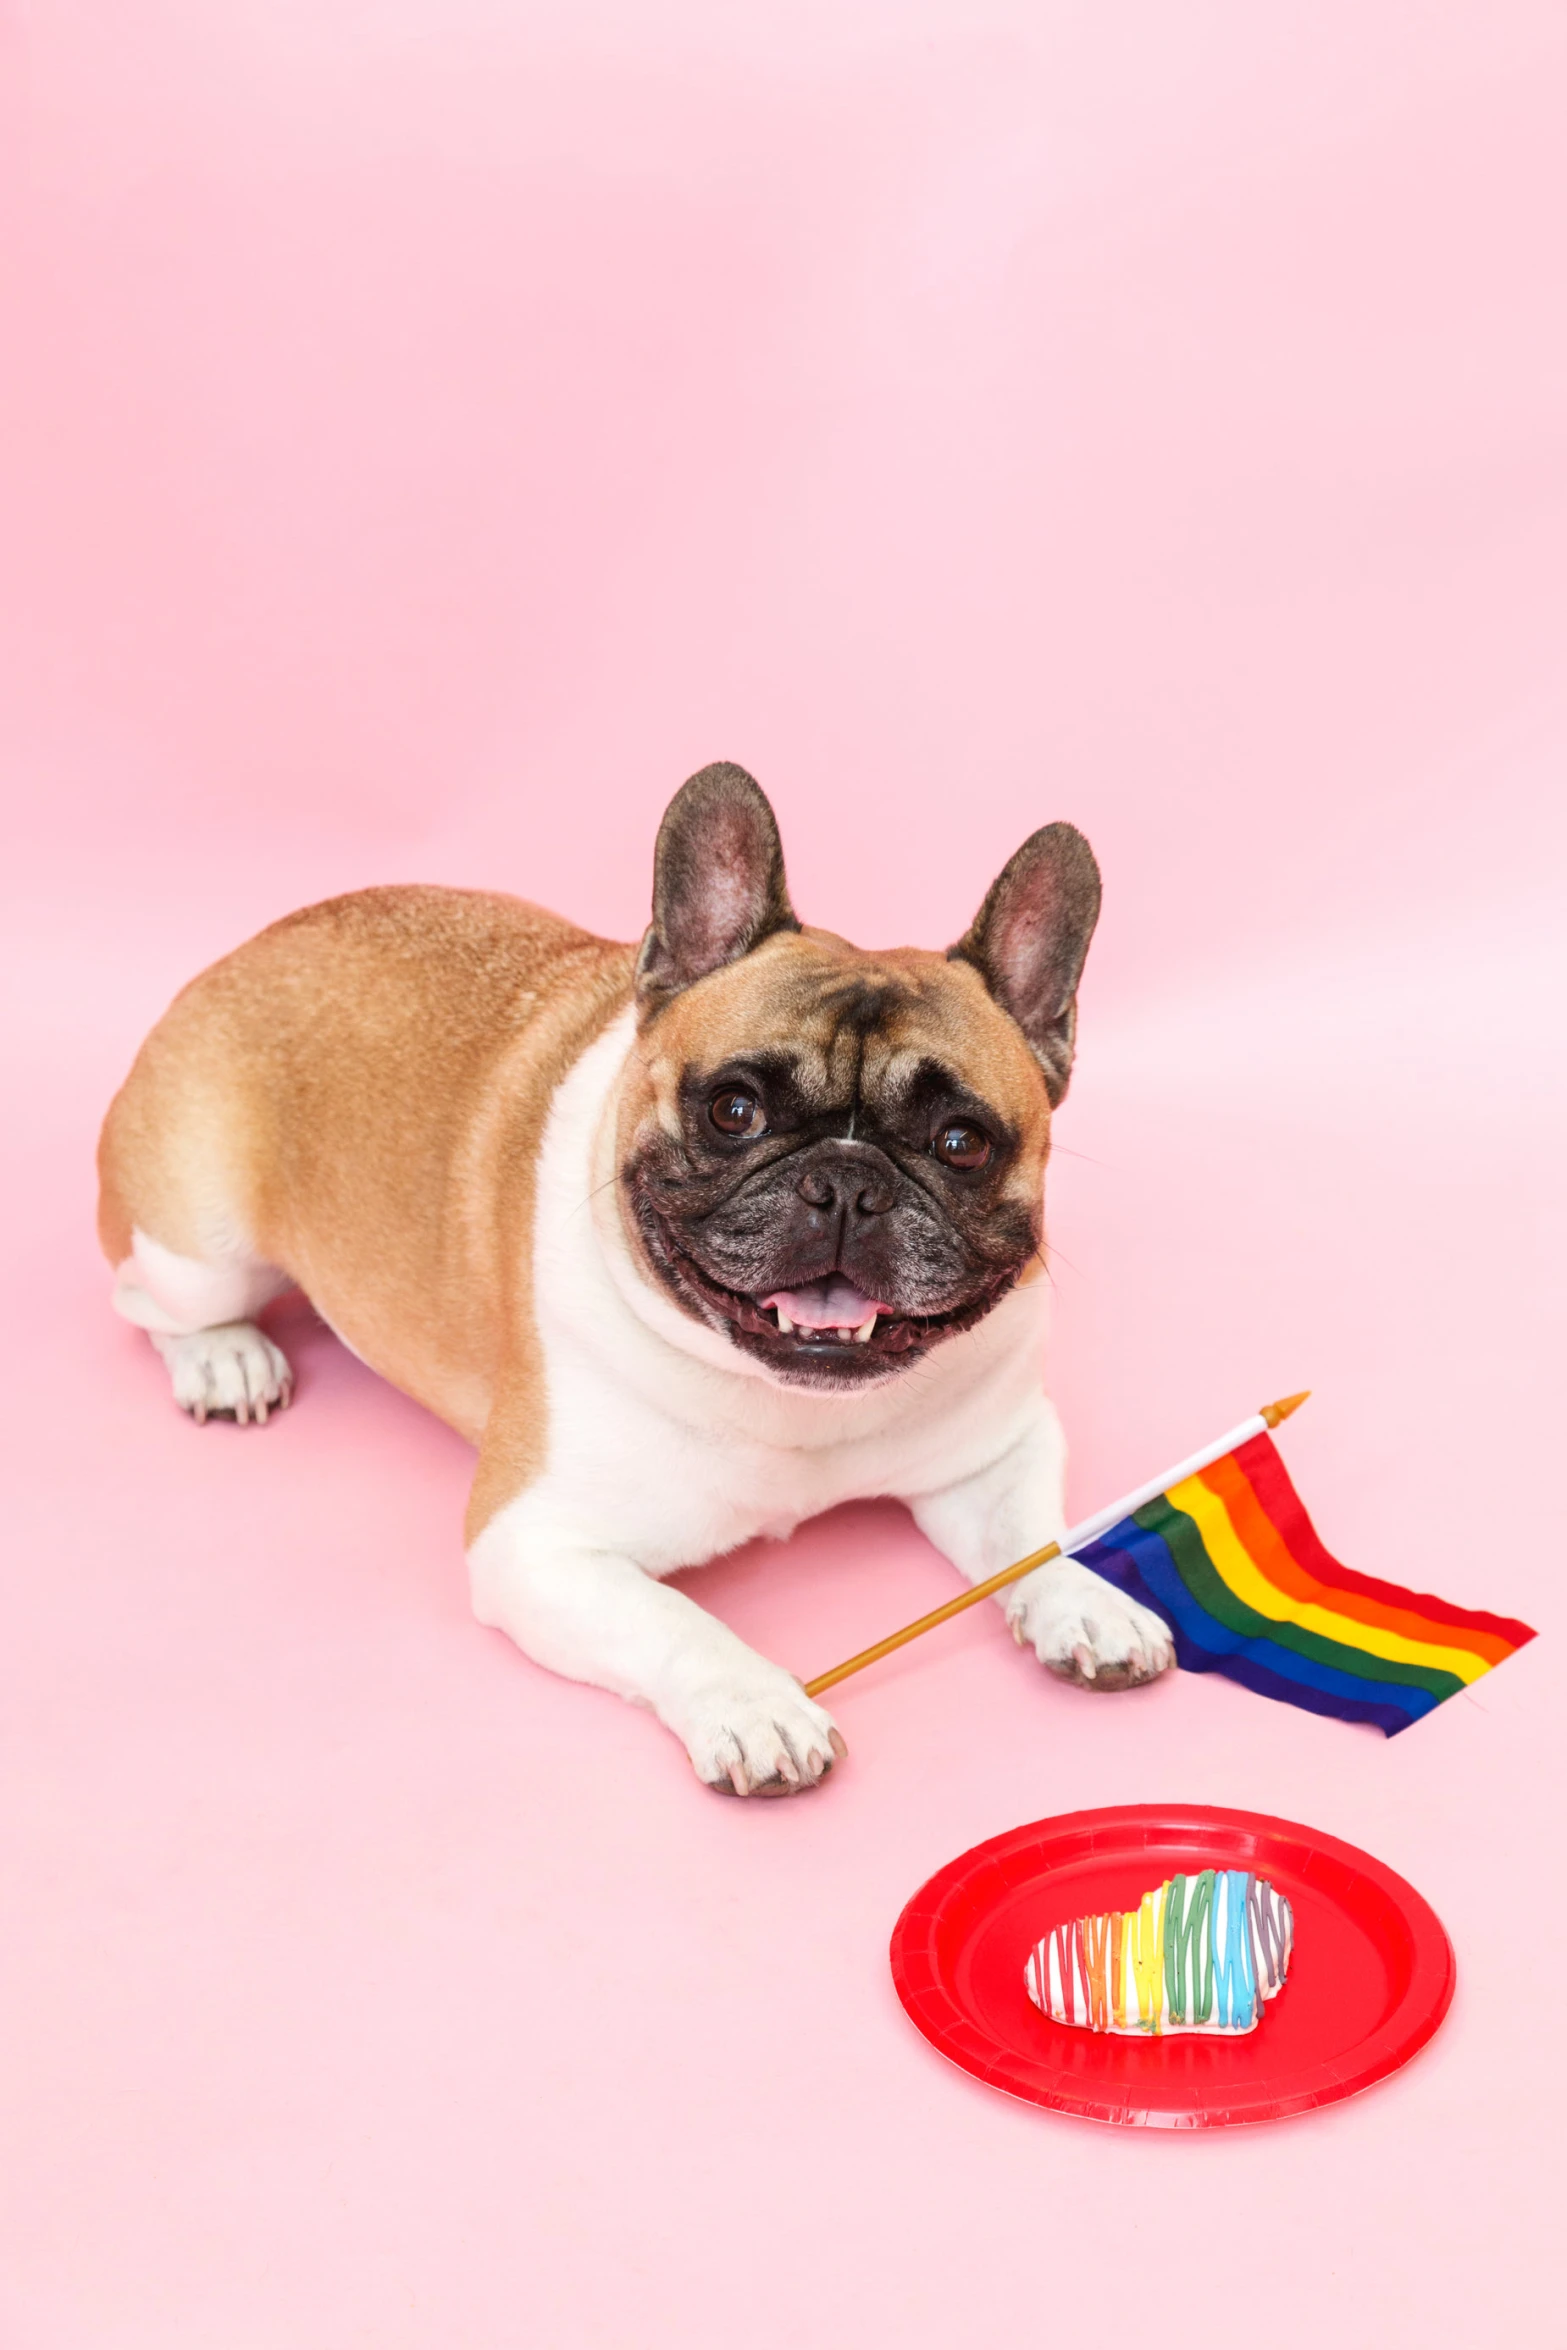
(1371,1976)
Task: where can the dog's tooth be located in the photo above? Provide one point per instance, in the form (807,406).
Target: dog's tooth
(785,1326)
(862,1335)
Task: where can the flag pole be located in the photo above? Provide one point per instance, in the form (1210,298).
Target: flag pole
(1269,1417)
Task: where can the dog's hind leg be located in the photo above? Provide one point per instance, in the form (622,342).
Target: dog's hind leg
(174,1223)
(200,1318)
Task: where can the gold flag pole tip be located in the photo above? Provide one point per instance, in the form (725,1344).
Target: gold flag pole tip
(1273,1413)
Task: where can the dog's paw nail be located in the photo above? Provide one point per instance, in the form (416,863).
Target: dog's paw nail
(839,1744)
(1083,1658)
(759,1735)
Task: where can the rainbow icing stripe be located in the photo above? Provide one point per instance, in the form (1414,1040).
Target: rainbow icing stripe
(1232,1562)
(1198,1954)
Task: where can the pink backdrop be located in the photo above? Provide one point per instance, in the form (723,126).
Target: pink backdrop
(427,431)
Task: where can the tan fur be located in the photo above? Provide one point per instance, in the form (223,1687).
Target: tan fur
(357,1096)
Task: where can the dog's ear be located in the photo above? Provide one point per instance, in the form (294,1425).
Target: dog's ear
(718,883)
(1029,942)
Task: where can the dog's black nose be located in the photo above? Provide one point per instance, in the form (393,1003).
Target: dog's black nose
(847,1184)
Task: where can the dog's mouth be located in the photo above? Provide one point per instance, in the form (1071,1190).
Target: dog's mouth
(821,1331)
(828,1312)
(829,1329)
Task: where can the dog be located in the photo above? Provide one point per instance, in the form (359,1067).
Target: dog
(691,1240)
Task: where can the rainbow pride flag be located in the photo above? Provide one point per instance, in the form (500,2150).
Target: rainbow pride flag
(1230,1559)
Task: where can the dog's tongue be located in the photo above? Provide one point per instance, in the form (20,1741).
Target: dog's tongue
(833,1304)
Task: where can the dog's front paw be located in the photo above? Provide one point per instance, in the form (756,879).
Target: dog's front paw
(1083,1629)
(759,1735)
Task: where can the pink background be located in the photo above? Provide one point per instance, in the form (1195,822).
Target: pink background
(429,429)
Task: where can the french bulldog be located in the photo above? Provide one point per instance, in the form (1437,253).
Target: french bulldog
(692,1239)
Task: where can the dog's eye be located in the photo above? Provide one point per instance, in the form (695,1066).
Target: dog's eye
(961,1146)
(734,1111)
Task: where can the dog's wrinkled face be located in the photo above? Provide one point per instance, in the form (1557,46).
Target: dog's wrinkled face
(836,1159)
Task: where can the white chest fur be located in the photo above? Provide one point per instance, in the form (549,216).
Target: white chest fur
(668,1444)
